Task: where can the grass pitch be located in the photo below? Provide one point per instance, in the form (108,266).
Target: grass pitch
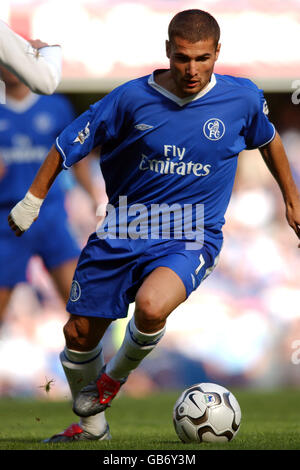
(270,421)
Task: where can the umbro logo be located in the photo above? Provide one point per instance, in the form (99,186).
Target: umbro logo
(143,127)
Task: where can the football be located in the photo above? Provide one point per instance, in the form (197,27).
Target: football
(206,412)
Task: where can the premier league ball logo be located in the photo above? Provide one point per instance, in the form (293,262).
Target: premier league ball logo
(214,129)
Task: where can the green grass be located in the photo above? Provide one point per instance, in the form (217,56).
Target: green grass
(270,421)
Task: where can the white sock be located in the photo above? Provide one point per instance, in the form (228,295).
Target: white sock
(80,369)
(136,345)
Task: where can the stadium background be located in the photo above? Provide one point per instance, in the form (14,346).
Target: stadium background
(242,326)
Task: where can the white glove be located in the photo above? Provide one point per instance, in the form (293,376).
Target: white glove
(25,212)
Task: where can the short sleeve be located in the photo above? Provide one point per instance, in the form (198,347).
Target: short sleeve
(259,131)
(101,123)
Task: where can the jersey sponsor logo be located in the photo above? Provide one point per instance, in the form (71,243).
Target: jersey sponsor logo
(214,129)
(23,150)
(83,134)
(75,293)
(143,127)
(168,166)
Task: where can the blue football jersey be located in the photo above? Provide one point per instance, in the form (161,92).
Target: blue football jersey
(28,129)
(157,148)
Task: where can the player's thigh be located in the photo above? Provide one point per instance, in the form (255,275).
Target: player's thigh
(160,293)
(83,333)
(62,276)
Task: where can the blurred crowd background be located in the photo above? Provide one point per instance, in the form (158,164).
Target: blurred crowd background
(241,327)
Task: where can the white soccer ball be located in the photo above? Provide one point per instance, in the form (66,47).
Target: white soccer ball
(206,412)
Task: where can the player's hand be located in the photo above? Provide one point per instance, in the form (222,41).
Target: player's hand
(37,43)
(14,227)
(24,213)
(293,218)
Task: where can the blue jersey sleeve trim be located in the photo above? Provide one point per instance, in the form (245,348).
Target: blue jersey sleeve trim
(272,138)
(63,155)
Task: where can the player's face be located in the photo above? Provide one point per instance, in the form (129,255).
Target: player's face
(191,64)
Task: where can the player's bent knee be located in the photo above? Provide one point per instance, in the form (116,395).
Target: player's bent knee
(84,333)
(148,314)
(76,334)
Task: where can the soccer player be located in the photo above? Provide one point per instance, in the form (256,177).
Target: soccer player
(37,64)
(29,123)
(170,140)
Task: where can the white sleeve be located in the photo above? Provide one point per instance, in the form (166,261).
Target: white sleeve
(39,69)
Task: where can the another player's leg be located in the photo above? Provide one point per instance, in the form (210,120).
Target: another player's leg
(161,292)
(5,295)
(62,276)
(14,256)
(82,361)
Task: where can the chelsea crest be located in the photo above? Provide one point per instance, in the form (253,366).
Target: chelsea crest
(75,291)
(214,129)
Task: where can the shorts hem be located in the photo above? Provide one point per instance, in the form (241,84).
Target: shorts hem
(59,263)
(97,314)
(146,272)
(13,284)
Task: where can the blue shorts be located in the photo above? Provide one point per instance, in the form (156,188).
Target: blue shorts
(49,237)
(110,272)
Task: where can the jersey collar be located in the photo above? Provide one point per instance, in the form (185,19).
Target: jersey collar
(181,101)
(21,106)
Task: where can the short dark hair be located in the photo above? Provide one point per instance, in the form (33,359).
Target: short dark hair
(194,25)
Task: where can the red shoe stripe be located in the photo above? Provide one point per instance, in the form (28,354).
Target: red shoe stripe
(72,430)
(107,388)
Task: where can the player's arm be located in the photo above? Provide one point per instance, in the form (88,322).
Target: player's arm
(276,160)
(26,211)
(37,64)
(82,173)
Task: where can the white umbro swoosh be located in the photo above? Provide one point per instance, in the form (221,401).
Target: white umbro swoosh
(143,127)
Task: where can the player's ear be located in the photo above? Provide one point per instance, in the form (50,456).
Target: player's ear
(218,50)
(168,49)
